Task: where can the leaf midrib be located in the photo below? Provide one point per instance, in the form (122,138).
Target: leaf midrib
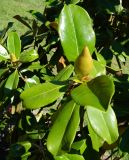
(74,30)
(109,136)
(43,93)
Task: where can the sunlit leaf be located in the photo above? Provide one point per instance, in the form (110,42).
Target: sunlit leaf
(104,124)
(69,157)
(75,30)
(14,44)
(97,141)
(64,74)
(54,143)
(3,53)
(31,82)
(71,128)
(28,56)
(12,81)
(98,69)
(42,94)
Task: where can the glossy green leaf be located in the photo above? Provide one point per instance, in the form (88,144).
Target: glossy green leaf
(107,89)
(122,58)
(69,157)
(90,153)
(3,53)
(25,156)
(64,74)
(104,124)
(91,93)
(18,149)
(12,81)
(101,59)
(97,141)
(25,144)
(35,134)
(71,129)
(72,1)
(98,69)
(3,71)
(59,127)
(42,94)
(28,56)
(14,44)
(75,31)
(80,145)
(34,66)
(31,82)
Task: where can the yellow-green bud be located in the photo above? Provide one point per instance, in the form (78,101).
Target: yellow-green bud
(83,64)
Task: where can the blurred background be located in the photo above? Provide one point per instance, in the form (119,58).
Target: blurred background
(10,8)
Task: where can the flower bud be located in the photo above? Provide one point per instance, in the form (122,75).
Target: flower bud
(83,64)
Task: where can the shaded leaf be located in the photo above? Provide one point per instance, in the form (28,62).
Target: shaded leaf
(20,19)
(25,144)
(80,145)
(91,94)
(3,71)
(37,15)
(36,134)
(111,7)
(90,153)
(18,149)
(73,1)
(124,144)
(4,31)
(25,156)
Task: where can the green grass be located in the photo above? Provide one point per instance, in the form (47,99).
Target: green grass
(10,8)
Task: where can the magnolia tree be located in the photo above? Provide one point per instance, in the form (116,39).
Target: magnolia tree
(64,83)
